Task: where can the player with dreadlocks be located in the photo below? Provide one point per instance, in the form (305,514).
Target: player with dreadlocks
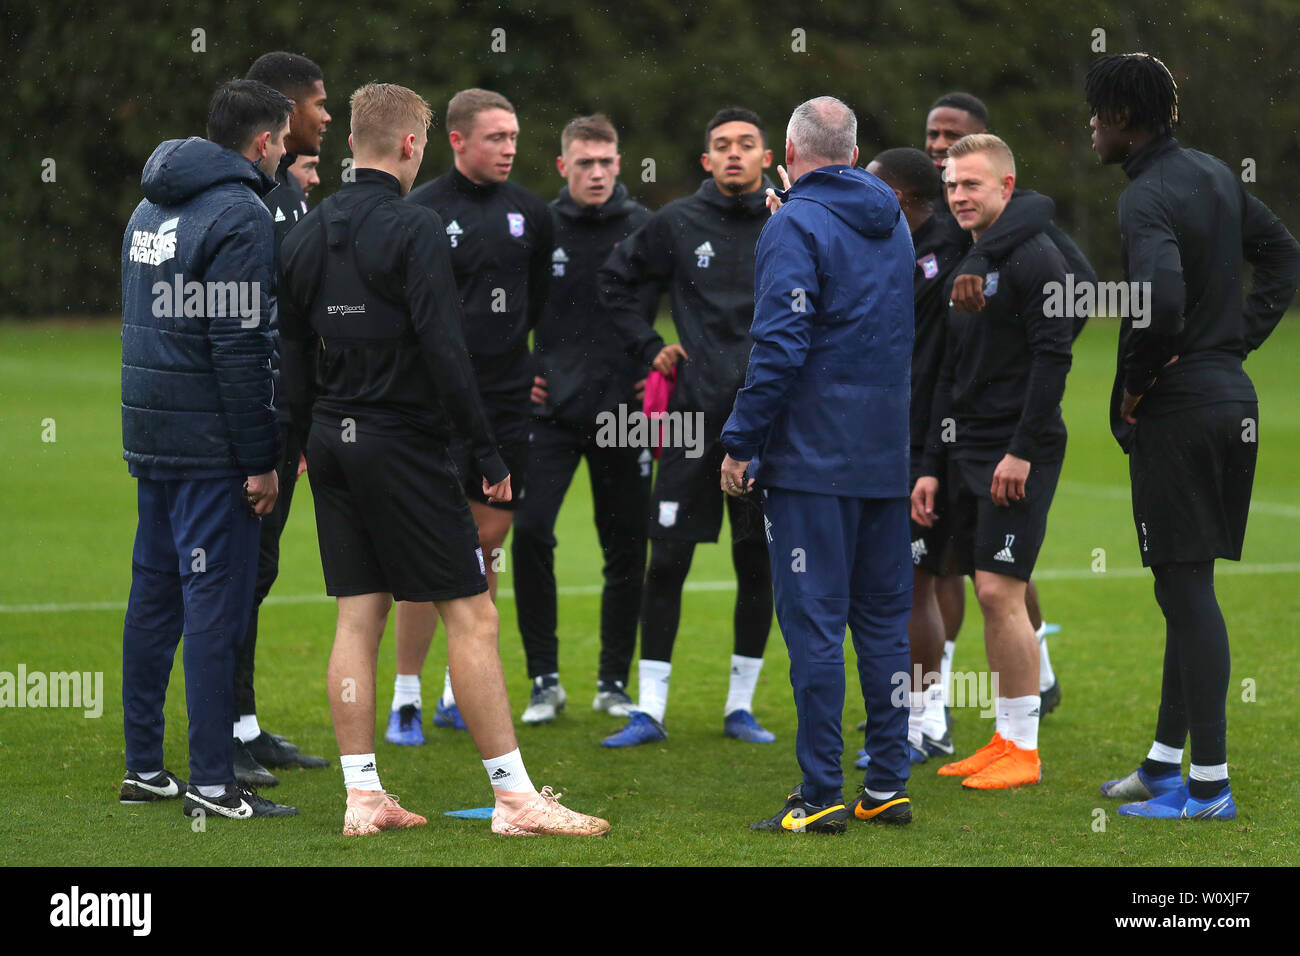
(1183,408)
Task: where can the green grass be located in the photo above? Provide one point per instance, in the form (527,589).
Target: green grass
(68,522)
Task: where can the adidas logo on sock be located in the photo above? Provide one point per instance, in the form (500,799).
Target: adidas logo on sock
(500,773)
(369,768)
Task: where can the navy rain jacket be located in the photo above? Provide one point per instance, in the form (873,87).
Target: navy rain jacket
(825,402)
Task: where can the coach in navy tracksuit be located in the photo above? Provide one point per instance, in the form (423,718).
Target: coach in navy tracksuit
(199,432)
(825,411)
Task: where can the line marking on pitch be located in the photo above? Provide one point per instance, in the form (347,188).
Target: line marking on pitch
(581,590)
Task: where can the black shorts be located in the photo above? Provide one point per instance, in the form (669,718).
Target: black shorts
(928,544)
(391,518)
(512,432)
(988,538)
(1192,473)
(687,501)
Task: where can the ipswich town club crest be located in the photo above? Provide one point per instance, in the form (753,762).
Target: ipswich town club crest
(991,283)
(516,220)
(929,266)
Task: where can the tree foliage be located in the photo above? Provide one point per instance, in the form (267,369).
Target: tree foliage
(96,89)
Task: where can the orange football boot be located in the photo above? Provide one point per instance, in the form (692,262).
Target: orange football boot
(977,761)
(1015,768)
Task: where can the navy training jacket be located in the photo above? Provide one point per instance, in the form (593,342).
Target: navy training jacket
(197,388)
(825,402)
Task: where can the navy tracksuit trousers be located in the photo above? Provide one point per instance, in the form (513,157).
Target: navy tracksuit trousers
(840,561)
(192,571)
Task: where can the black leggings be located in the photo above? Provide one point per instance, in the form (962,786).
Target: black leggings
(661,613)
(1193,696)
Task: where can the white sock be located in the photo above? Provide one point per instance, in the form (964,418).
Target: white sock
(1217,772)
(406,690)
(448,698)
(1000,717)
(1021,720)
(880,794)
(915,717)
(1046,677)
(936,721)
(654,677)
(246,728)
(1166,754)
(744,678)
(148,776)
(507,773)
(359,772)
(211,790)
(945,671)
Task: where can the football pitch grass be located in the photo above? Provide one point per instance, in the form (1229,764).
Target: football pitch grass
(68,523)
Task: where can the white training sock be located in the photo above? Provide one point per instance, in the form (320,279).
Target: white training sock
(915,716)
(1046,677)
(880,794)
(211,790)
(246,728)
(148,776)
(744,678)
(448,698)
(406,690)
(1021,720)
(507,773)
(936,721)
(654,677)
(359,772)
(945,671)
(1000,717)
(1211,774)
(1165,754)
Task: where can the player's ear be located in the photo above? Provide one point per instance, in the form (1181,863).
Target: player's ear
(704,161)
(457,140)
(767,158)
(618,163)
(559,165)
(854,160)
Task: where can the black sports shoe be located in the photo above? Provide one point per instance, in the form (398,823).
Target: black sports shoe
(136,789)
(272,750)
(896,809)
(1049,699)
(237,803)
(798,816)
(248,771)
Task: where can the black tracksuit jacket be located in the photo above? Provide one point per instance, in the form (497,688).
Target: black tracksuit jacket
(577,349)
(702,247)
(1004,367)
(501,237)
(1186,223)
(370,325)
(941,247)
